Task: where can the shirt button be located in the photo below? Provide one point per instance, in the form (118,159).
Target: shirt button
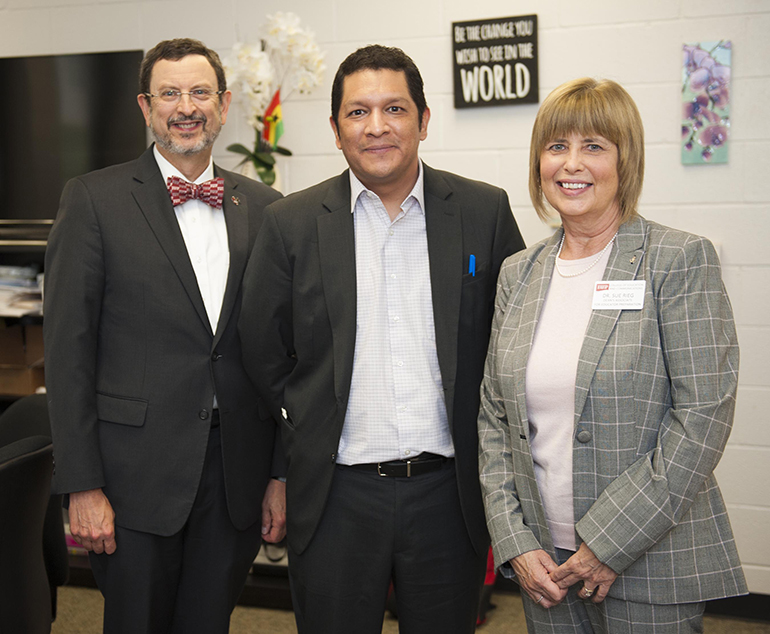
(391,232)
(396,318)
(393,276)
(400,363)
(407,452)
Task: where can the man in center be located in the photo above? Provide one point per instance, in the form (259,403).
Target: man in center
(365,322)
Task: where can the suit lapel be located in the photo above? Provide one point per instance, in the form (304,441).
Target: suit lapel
(236,219)
(337,252)
(532,307)
(625,260)
(443,224)
(152,197)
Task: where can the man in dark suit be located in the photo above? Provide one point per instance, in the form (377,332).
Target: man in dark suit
(365,324)
(160,440)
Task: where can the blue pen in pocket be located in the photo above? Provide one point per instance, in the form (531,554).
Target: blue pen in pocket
(472,265)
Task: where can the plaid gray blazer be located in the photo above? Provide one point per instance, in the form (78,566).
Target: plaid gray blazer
(654,403)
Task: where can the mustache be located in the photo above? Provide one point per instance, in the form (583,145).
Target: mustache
(185,118)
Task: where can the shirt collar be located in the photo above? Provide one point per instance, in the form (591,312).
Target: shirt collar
(418,191)
(167,169)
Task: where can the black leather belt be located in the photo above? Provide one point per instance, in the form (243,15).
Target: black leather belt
(423,463)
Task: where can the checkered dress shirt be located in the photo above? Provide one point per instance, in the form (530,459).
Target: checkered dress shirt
(396,408)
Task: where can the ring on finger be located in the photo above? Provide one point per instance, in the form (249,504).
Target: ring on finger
(540,599)
(588,593)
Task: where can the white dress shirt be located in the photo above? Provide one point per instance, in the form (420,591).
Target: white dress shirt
(396,408)
(205,236)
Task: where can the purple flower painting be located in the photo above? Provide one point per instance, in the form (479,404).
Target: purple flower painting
(706,69)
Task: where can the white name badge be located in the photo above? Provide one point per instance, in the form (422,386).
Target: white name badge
(619,295)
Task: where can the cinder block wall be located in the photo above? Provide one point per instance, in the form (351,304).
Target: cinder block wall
(635,43)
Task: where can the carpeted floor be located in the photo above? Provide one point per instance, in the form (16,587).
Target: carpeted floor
(80,612)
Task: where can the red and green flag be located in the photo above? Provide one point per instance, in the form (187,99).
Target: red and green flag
(273,120)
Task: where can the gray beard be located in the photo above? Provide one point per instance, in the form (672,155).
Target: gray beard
(165,141)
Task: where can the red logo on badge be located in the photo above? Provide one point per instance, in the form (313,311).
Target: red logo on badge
(602,287)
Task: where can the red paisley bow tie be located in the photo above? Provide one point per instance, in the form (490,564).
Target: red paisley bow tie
(211,192)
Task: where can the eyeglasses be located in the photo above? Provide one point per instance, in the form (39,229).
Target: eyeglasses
(201,95)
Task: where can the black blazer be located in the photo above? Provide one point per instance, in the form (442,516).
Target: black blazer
(132,365)
(298,325)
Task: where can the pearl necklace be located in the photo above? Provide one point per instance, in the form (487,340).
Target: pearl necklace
(590,266)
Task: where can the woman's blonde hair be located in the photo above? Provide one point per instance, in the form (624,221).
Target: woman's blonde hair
(589,106)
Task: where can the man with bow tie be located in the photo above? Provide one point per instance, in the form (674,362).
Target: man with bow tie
(170,460)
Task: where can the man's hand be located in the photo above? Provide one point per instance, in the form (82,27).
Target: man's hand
(274,512)
(92,521)
(584,566)
(533,570)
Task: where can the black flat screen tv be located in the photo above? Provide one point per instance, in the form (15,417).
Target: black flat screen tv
(62,116)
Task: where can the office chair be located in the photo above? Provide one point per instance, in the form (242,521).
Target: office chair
(29,417)
(26,467)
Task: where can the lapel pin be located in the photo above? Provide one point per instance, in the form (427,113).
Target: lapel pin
(236,200)
(632,260)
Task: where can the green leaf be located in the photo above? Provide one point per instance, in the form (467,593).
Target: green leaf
(261,164)
(265,158)
(267,176)
(282,150)
(240,149)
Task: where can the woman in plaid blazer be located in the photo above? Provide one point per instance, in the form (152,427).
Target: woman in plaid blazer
(609,392)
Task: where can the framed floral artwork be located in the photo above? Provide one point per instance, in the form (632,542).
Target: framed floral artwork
(706,74)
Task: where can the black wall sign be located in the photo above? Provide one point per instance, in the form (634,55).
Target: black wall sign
(495,62)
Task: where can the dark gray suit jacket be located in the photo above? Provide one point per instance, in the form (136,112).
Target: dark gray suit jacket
(298,325)
(132,365)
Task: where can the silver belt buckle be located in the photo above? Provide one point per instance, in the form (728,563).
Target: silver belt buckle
(385,475)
